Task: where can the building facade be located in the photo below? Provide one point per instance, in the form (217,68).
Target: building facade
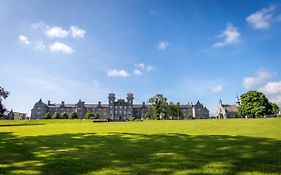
(120,109)
(228,110)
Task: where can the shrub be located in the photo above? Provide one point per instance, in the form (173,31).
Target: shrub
(47,116)
(89,115)
(56,115)
(74,115)
(64,115)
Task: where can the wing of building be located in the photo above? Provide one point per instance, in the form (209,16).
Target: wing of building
(115,109)
(227,110)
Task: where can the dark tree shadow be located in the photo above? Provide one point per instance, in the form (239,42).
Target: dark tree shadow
(126,153)
(21,124)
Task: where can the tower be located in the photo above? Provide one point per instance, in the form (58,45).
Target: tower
(130,98)
(111,100)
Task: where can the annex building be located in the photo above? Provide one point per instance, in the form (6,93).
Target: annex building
(115,109)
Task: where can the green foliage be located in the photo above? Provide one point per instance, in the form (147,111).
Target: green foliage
(97,115)
(174,111)
(74,115)
(274,108)
(3,95)
(47,116)
(56,115)
(64,115)
(254,104)
(147,115)
(89,115)
(158,105)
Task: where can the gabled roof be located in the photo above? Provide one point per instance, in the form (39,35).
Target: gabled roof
(230,108)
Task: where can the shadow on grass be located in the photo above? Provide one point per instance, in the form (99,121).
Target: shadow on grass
(21,124)
(124,153)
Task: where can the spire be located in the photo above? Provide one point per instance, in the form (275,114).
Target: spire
(220,102)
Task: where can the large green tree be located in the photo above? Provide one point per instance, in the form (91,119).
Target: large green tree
(174,111)
(274,108)
(158,105)
(3,95)
(255,104)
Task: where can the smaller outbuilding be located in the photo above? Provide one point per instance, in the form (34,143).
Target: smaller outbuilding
(228,110)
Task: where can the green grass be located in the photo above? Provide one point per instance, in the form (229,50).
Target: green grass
(238,146)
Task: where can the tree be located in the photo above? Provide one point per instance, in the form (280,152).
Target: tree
(56,115)
(47,116)
(254,104)
(158,105)
(147,115)
(74,115)
(89,115)
(64,115)
(97,115)
(274,108)
(3,95)
(174,111)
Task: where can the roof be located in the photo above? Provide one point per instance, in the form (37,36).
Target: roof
(230,108)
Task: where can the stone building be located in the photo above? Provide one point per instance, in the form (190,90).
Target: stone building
(116,109)
(228,110)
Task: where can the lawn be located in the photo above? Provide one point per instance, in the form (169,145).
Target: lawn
(234,146)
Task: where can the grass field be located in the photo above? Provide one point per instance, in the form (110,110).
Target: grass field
(238,146)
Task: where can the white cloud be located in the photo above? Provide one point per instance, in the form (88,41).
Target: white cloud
(137,72)
(272,91)
(217,88)
(230,36)
(56,31)
(77,32)
(40,45)
(149,68)
(255,81)
(140,66)
(117,73)
(261,19)
(163,45)
(24,40)
(60,47)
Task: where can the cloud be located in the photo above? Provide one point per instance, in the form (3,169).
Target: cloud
(60,47)
(261,19)
(163,45)
(137,72)
(117,73)
(56,31)
(144,67)
(229,36)
(253,82)
(24,40)
(217,88)
(77,32)
(272,91)
(39,45)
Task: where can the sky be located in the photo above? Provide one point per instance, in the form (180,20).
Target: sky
(186,50)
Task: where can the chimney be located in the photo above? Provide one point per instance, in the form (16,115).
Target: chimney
(49,102)
(62,103)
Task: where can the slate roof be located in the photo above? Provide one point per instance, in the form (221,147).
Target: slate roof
(230,108)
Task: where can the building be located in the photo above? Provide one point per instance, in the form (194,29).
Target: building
(116,109)
(228,110)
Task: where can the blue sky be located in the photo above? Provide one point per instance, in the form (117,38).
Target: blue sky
(186,50)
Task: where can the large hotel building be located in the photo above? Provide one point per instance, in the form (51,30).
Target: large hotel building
(120,109)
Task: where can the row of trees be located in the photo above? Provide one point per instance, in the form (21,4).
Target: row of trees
(255,104)
(162,109)
(73,115)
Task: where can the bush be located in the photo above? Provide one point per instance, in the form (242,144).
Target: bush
(97,116)
(47,116)
(74,115)
(56,115)
(64,115)
(89,115)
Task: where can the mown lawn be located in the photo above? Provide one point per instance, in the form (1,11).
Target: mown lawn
(237,146)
